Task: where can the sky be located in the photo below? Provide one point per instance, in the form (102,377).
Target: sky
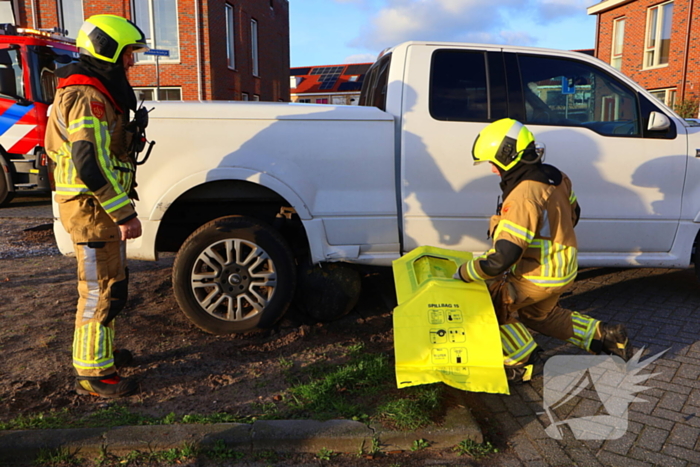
(329,32)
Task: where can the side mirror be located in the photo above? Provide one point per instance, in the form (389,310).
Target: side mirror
(658,122)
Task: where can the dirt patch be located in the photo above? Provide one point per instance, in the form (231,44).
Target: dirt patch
(180,368)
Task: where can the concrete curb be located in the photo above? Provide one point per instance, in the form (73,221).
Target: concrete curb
(278,435)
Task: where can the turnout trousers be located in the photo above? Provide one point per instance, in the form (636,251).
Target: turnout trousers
(102,286)
(520,304)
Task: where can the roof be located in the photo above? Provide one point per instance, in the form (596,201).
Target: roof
(328,79)
(605,5)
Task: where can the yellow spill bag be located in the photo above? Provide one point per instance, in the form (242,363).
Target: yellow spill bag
(445,329)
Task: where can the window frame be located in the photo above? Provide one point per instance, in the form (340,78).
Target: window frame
(618,41)
(230,36)
(155,90)
(670,95)
(142,59)
(652,53)
(254,48)
(62,17)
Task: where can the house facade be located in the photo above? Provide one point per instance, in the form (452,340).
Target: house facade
(655,43)
(211,49)
(328,84)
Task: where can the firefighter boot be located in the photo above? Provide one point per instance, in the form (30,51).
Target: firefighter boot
(122,358)
(613,341)
(524,372)
(109,388)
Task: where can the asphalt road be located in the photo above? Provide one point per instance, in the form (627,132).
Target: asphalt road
(28,205)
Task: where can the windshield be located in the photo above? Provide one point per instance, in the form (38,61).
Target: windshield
(46,60)
(11,84)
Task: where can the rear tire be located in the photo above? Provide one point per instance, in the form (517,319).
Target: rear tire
(5,194)
(234,274)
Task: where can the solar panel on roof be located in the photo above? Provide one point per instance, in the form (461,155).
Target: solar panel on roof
(329,80)
(357,69)
(324,70)
(299,71)
(350,86)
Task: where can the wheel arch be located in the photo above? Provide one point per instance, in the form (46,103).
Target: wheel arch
(233,175)
(221,197)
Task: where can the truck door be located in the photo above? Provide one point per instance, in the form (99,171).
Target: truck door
(628,180)
(446,200)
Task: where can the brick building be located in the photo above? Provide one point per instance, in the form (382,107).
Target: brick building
(218,49)
(328,84)
(655,43)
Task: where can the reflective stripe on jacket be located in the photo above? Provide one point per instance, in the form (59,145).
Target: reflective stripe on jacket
(540,219)
(85,137)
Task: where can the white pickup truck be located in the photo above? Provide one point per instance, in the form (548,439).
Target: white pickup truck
(249,193)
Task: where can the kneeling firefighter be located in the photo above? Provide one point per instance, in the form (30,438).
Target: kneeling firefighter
(90,140)
(534,255)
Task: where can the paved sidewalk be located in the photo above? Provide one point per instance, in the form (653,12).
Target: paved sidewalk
(661,309)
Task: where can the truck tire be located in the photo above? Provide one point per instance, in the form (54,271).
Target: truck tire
(234,274)
(327,292)
(5,194)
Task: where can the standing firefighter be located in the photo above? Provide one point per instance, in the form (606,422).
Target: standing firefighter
(88,137)
(533,258)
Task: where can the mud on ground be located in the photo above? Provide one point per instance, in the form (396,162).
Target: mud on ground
(180,368)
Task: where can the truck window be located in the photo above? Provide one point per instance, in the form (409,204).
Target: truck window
(11,84)
(375,84)
(46,60)
(458,90)
(566,92)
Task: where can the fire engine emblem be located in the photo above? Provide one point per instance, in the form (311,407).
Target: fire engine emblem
(98,109)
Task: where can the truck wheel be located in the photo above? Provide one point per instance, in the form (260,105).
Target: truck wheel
(329,291)
(5,194)
(234,274)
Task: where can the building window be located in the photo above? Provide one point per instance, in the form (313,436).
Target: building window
(256,97)
(164,94)
(304,101)
(667,96)
(158,21)
(244,96)
(230,38)
(254,46)
(657,45)
(323,100)
(618,43)
(71,16)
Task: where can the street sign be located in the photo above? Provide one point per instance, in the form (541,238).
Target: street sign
(158,52)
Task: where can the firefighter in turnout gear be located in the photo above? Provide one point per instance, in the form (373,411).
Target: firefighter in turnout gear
(87,137)
(533,259)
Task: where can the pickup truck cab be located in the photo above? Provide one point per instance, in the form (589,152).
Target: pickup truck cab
(257,198)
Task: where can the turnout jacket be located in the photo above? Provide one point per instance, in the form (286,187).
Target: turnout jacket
(87,140)
(533,236)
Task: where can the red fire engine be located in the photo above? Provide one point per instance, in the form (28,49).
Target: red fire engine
(28,59)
